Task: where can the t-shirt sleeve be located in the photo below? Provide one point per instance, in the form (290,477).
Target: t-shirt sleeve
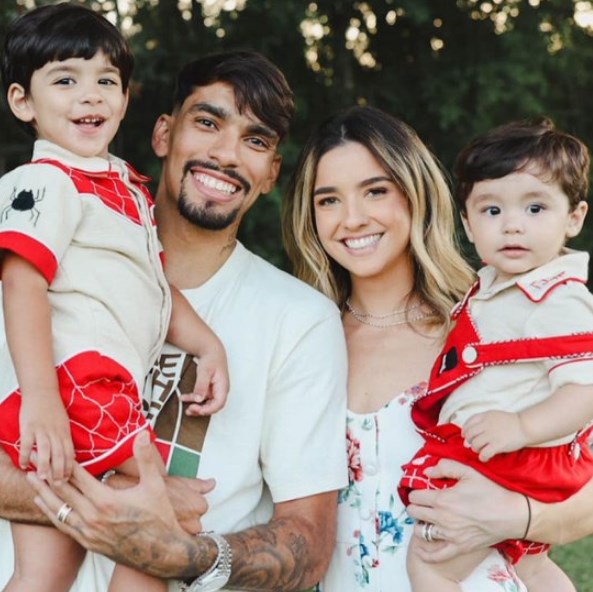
(304,433)
(39,212)
(566,311)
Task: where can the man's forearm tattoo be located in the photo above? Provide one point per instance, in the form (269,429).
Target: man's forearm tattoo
(276,556)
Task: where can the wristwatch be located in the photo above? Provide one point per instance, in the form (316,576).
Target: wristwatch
(220,571)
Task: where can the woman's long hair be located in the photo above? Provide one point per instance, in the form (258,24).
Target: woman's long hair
(441,275)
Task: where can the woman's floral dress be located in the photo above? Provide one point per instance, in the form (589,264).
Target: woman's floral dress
(373,527)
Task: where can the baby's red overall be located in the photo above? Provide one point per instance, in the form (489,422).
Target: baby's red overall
(548,474)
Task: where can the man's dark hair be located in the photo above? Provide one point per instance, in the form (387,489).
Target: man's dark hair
(537,144)
(258,84)
(59,32)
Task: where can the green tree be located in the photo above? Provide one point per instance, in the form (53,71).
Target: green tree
(450,68)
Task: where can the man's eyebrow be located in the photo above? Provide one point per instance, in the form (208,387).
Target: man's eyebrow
(258,129)
(215,110)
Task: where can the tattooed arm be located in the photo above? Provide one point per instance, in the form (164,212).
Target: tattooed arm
(17,505)
(292,551)
(16,495)
(137,527)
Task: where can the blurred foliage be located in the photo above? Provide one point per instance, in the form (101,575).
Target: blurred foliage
(575,560)
(450,68)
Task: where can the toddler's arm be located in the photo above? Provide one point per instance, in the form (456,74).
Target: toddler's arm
(190,333)
(566,411)
(43,420)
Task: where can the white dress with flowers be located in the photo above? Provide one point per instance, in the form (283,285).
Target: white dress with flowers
(373,527)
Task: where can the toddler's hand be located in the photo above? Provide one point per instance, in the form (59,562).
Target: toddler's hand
(45,429)
(212,385)
(493,432)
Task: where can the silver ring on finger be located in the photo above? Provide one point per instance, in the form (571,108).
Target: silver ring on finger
(63,513)
(426,532)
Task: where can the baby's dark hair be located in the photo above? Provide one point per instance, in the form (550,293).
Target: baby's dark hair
(59,32)
(555,156)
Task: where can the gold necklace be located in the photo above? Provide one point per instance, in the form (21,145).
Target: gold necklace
(372,320)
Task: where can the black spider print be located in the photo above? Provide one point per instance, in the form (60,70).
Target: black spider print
(25,201)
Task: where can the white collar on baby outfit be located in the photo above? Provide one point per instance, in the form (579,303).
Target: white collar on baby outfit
(537,283)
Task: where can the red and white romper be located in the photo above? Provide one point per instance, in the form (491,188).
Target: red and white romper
(87,225)
(548,474)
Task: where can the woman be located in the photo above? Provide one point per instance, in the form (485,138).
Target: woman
(369,222)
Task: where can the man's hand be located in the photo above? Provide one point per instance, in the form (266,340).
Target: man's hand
(187,498)
(472,514)
(493,432)
(135,526)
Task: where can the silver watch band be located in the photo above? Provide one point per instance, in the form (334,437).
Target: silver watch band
(219,572)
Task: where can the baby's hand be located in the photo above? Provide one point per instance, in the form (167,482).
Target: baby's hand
(492,432)
(212,384)
(45,429)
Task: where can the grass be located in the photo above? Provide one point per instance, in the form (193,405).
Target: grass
(576,560)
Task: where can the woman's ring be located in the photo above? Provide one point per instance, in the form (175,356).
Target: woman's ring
(427,532)
(63,513)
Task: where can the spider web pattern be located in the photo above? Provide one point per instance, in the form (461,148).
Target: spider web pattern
(108,187)
(103,403)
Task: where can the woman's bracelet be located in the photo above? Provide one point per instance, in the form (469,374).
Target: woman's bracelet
(528,516)
(107,475)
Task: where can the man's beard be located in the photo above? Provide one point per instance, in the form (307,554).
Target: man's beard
(204,216)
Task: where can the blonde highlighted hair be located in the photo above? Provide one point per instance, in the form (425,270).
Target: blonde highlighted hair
(441,274)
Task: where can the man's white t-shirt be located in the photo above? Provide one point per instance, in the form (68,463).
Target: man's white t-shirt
(281,434)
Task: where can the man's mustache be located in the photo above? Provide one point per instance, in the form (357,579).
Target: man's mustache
(190,164)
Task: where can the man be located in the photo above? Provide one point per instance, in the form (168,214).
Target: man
(277,448)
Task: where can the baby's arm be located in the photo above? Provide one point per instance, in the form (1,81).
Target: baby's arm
(566,411)
(43,419)
(190,333)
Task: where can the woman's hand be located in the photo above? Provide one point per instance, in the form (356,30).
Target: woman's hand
(474,513)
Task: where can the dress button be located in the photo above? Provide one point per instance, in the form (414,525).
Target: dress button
(370,469)
(469,354)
